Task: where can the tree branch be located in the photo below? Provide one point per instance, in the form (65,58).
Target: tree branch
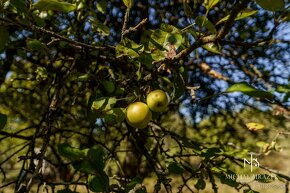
(210,38)
(126,20)
(133,29)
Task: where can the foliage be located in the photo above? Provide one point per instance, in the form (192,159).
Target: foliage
(70,68)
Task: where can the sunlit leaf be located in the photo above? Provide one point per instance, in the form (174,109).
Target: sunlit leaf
(283,89)
(174,36)
(103,104)
(255,126)
(249,90)
(265,147)
(210,4)
(271,5)
(55,5)
(41,73)
(80,6)
(241,15)
(212,47)
(4,34)
(3,120)
(128,48)
(128,3)
(102,5)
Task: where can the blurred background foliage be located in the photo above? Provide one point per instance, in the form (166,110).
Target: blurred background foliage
(68,70)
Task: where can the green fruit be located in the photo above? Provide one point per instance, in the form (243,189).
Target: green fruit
(138,115)
(157,100)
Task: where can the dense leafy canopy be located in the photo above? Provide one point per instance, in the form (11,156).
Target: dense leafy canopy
(69,69)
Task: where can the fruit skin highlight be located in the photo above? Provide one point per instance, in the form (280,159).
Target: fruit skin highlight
(138,115)
(157,100)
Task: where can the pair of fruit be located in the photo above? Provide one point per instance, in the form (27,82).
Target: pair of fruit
(138,114)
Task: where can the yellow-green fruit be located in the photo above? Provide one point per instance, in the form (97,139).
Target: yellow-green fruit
(157,100)
(138,115)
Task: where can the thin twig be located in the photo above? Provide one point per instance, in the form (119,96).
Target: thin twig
(126,20)
(134,29)
(76,43)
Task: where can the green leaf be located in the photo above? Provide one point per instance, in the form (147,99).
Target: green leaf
(146,59)
(20,5)
(4,34)
(202,21)
(85,166)
(80,6)
(249,90)
(283,89)
(128,3)
(187,10)
(179,86)
(228,181)
(264,178)
(210,4)
(241,15)
(255,126)
(98,183)
(54,5)
(3,121)
(36,45)
(212,47)
(271,5)
(100,28)
(133,183)
(102,5)
(67,190)
(210,152)
(174,36)
(129,48)
(265,147)
(70,152)
(200,184)
(115,115)
(103,104)
(109,86)
(175,168)
(96,157)
(41,73)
